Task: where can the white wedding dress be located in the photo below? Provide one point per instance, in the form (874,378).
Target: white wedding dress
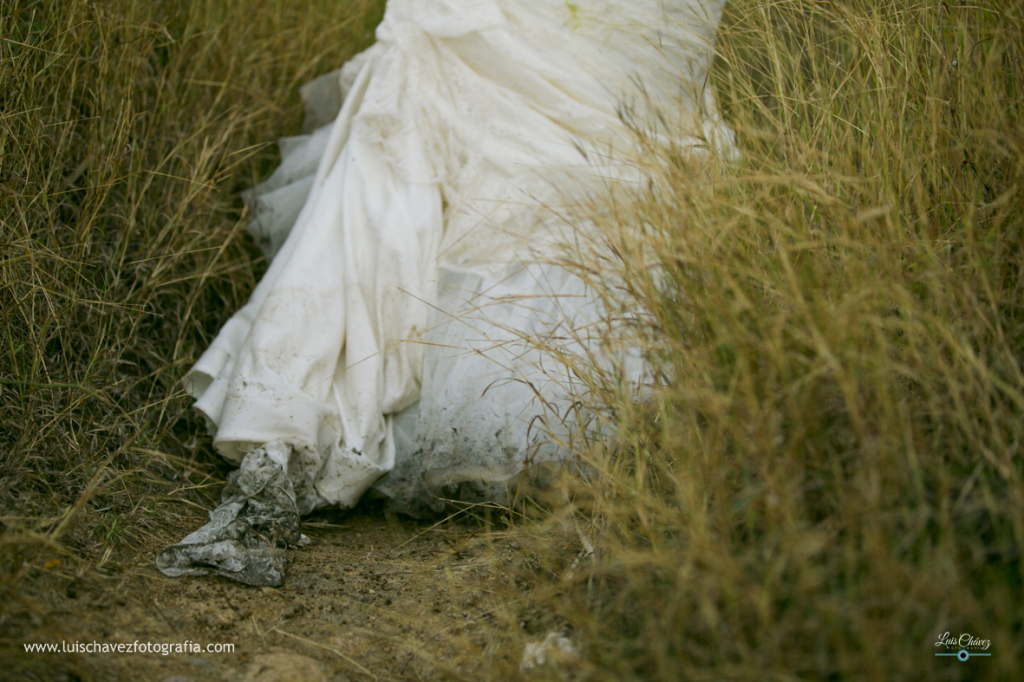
(411,232)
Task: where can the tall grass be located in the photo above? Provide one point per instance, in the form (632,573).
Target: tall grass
(831,476)
(127,130)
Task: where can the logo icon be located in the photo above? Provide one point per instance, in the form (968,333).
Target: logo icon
(964,654)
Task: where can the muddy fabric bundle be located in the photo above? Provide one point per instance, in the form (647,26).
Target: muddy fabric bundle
(249,532)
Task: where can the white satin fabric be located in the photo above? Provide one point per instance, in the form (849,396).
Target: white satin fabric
(408,237)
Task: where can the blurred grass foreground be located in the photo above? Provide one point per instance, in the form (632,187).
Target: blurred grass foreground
(831,476)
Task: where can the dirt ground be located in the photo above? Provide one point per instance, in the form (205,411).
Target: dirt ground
(372,598)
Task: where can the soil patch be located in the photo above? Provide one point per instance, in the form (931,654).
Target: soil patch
(372,598)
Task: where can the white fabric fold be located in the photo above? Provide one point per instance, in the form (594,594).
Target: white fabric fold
(462,132)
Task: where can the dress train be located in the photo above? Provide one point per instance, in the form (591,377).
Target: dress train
(410,233)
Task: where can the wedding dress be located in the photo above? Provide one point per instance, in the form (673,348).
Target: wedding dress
(410,234)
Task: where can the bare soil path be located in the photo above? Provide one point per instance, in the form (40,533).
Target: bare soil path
(371,598)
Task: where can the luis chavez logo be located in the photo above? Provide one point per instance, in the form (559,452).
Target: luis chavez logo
(969,645)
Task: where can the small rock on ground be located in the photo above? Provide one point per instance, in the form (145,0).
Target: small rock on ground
(556,649)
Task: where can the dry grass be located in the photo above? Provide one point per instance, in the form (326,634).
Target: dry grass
(832,476)
(127,130)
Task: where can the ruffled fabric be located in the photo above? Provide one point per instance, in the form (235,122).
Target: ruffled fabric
(409,231)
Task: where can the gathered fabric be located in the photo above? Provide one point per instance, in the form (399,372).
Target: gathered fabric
(411,231)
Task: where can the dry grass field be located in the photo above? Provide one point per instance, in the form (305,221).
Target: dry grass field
(830,477)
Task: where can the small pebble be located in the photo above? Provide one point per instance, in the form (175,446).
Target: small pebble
(555,649)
